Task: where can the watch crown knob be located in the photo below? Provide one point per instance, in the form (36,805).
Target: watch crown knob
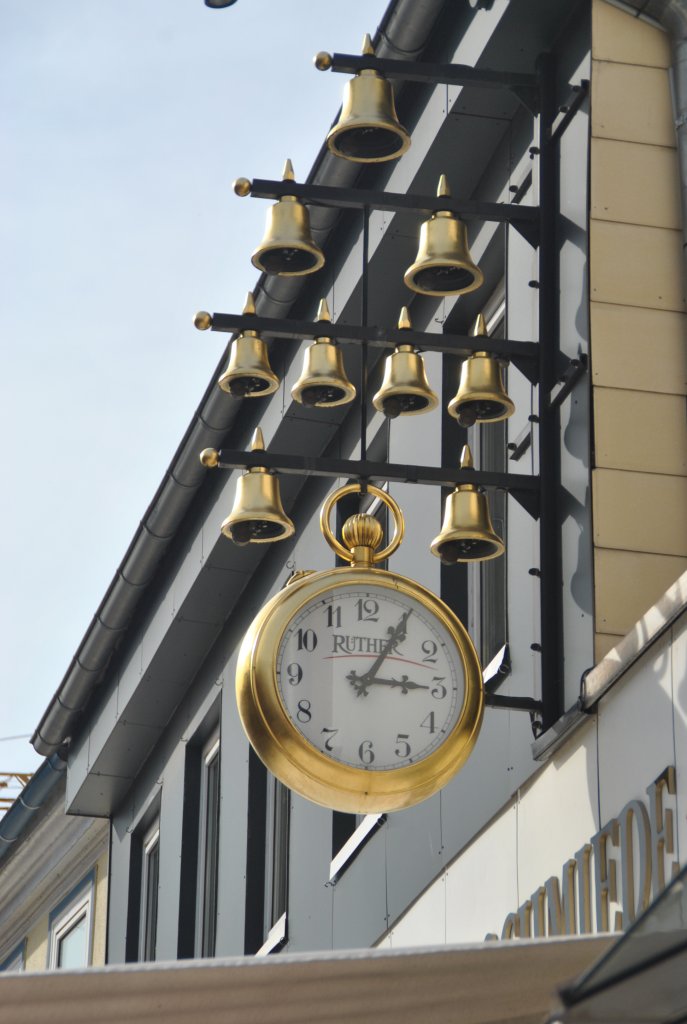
(362,531)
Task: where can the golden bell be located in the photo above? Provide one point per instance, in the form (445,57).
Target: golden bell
(443,265)
(323,381)
(481,396)
(249,374)
(368,130)
(467,534)
(258,516)
(288,248)
(405,390)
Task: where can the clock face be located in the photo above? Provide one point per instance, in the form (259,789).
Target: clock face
(370,677)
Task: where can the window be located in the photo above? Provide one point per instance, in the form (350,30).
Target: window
(69,929)
(150,880)
(267,860)
(277,861)
(208,850)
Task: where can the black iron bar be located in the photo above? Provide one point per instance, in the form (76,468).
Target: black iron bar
(363,321)
(551,589)
(358,198)
(380,337)
(448,74)
(442,476)
(497,700)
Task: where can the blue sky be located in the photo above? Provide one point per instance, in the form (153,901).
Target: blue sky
(123,125)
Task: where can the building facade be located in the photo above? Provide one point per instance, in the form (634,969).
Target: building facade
(564,820)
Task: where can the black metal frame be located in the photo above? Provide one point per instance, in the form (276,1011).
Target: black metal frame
(540,362)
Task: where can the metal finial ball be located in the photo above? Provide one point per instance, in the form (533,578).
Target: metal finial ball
(209,458)
(203,321)
(322,60)
(242,186)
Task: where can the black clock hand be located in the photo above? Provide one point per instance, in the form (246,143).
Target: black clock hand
(361,683)
(396,635)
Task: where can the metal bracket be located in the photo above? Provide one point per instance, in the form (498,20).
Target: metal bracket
(574,371)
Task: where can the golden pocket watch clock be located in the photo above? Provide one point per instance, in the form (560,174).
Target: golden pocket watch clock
(358,687)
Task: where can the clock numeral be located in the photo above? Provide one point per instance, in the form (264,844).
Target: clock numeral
(429,649)
(368,609)
(402,741)
(330,737)
(428,722)
(304,714)
(294,673)
(439,691)
(365,752)
(333,617)
(306,639)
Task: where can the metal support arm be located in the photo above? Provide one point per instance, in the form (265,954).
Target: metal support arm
(524,218)
(525,489)
(522,353)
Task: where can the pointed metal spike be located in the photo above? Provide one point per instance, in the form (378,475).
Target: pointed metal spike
(466,461)
(404,323)
(257,443)
(249,307)
(287,174)
(479,328)
(367,44)
(443,188)
(323,311)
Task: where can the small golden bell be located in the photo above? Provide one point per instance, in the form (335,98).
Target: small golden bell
(249,374)
(323,381)
(405,390)
(467,533)
(368,130)
(257,516)
(481,396)
(288,248)
(443,265)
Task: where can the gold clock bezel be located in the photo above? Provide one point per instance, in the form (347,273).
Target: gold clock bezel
(298,764)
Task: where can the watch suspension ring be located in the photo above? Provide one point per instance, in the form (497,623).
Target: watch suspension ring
(386,499)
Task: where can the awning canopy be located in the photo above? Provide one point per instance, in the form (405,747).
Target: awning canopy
(496,983)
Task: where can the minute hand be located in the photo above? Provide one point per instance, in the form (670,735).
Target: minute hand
(396,635)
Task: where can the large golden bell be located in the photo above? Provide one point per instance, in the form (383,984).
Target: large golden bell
(368,130)
(443,265)
(467,533)
(323,381)
(288,248)
(249,374)
(257,516)
(405,390)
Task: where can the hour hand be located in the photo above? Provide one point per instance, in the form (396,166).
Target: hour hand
(362,683)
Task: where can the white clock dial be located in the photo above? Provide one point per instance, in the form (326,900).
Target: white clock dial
(369,677)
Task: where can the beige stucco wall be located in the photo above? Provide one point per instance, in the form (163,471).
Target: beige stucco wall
(638,325)
(36,956)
